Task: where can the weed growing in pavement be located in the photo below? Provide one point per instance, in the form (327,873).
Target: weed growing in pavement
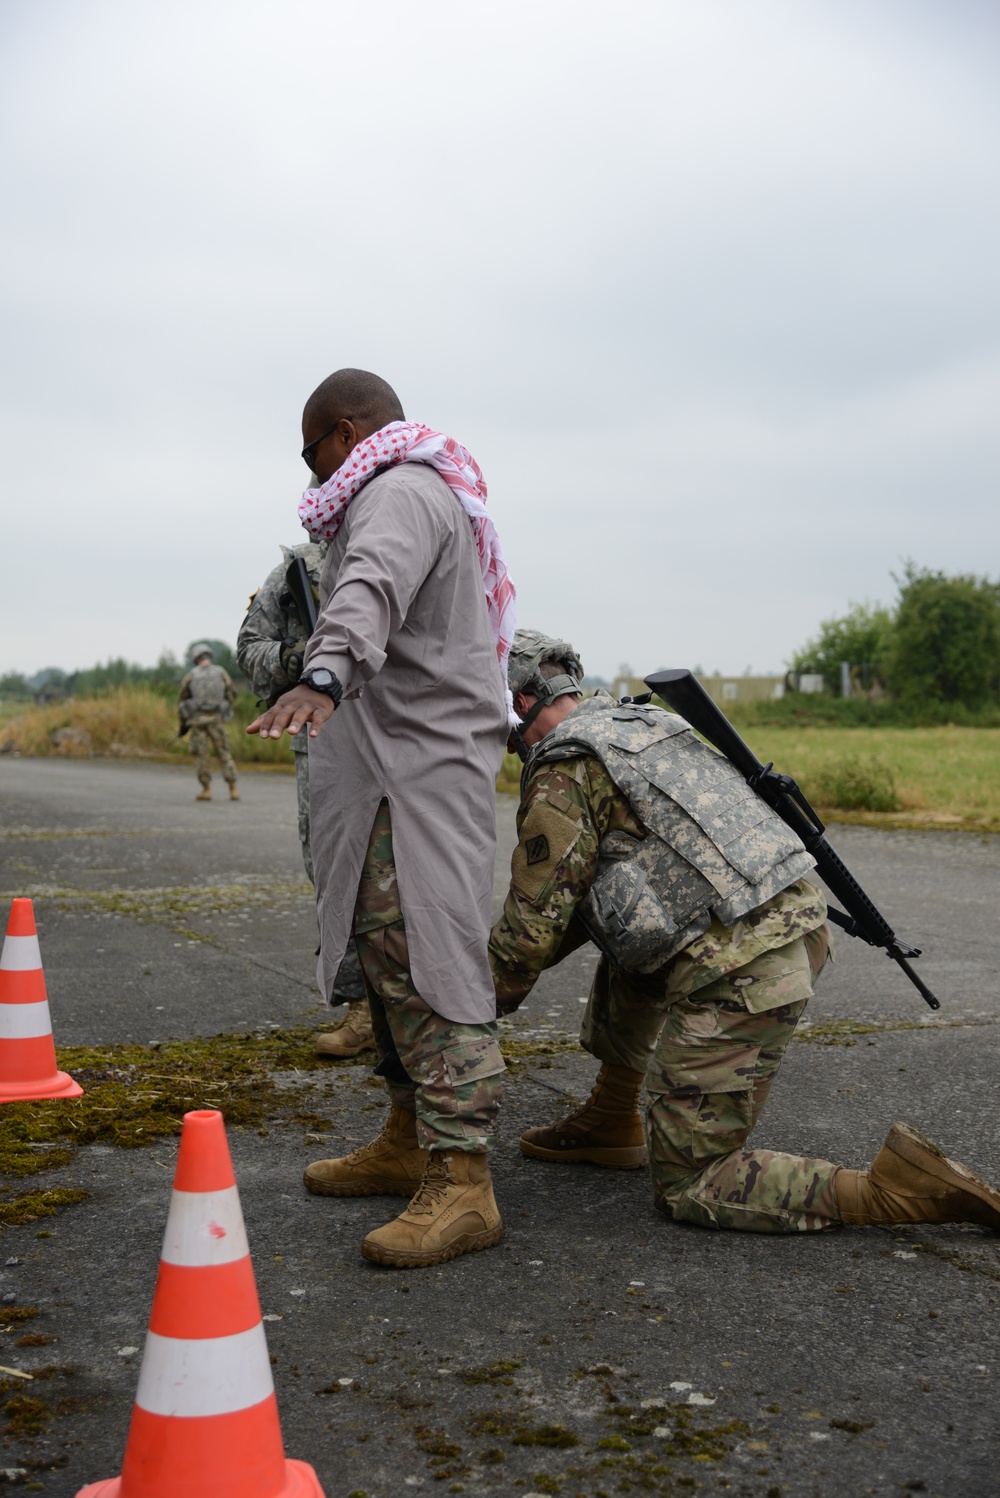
(490,1373)
(28,1416)
(10,1315)
(35,1204)
(135,1095)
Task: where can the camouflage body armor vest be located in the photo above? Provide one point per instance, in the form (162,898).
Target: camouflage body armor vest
(208,692)
(714,847)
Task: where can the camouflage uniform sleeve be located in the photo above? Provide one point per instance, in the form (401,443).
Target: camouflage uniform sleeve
(258,645)
(185,690)
(560,823)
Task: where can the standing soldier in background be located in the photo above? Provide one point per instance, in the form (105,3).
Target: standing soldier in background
(270,649)
(206,700)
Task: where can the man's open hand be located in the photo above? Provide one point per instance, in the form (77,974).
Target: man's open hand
(292,711)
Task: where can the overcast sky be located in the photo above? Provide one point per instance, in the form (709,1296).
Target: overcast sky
(708,288)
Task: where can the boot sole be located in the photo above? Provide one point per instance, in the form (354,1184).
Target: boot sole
(912,1147)
(469,1243)
(623,1158)
(359,1188)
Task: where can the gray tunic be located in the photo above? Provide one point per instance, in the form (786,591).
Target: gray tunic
(403,624)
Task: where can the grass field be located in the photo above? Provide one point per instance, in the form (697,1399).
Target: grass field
(126,722)
(889,777)
(945,777)
(941,777)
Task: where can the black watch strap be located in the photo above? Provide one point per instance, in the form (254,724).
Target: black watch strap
(332,688)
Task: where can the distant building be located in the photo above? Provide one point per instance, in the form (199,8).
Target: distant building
(728,691)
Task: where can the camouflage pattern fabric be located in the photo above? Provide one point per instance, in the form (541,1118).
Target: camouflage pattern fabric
(454,1070)
(714,1064)
(302,805)
(272,620)
(570,809)
(208,733)
(206,689)
(710,846)
(709,1028)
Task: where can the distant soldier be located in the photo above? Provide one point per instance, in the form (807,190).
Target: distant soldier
(635,834)
(270,647)
(206,701)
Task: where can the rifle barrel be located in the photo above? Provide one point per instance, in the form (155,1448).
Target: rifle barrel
(685,695)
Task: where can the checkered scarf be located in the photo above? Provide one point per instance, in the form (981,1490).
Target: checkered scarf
(322,510)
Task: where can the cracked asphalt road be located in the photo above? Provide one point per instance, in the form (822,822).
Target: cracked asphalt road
(599,1349)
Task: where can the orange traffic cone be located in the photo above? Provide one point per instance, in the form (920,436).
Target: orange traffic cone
(205,1422)
(27,1050)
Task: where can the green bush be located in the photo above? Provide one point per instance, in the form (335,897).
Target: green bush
(857,783)
(805,710)
(862,638)
(946,640)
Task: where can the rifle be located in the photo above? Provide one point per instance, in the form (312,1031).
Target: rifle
(297,578)
(682,692)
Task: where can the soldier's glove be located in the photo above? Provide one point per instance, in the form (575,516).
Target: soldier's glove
(290,659)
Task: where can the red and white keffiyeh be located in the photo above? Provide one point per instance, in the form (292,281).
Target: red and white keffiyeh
(322,510)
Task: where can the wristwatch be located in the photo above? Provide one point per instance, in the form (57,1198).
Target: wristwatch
(322,680)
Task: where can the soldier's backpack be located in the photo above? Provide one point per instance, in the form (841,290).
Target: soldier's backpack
(207,690)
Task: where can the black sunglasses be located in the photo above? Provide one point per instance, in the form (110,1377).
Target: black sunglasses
(309,452)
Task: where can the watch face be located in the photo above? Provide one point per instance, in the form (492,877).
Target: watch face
(321,678)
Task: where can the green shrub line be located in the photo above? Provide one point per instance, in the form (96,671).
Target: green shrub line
(807,710)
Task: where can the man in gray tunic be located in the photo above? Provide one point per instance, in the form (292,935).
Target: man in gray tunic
(271,648)
(415,616)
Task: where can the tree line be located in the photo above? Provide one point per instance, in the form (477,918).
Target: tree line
(52,683)
(939,643)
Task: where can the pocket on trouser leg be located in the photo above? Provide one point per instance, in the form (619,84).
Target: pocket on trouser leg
(459,1097)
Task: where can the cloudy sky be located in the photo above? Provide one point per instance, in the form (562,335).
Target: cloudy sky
(708,288)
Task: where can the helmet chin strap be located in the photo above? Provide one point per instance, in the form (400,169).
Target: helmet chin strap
(517,734)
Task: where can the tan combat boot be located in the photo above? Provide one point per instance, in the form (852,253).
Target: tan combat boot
(234,794)
(453,1213)
(606,1129)
(391,1165)
(354,1035)
(912,1181)
(205,794)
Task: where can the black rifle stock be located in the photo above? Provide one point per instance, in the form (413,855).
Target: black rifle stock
(685,695)
(297,578)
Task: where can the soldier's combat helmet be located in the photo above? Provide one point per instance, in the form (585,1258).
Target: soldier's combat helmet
(530,651)
(197,651)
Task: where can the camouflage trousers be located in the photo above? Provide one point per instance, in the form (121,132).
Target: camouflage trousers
(350,984)
(449,1074)
(710,1060)
(208,734)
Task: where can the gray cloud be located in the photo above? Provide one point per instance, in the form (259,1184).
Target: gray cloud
(709,290)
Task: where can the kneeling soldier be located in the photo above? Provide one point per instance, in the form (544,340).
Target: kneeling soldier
(635,834)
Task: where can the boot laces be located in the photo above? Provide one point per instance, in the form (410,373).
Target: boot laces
(364,1150)
(435,1185)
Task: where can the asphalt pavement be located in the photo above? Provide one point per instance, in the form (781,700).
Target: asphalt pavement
(599,1349)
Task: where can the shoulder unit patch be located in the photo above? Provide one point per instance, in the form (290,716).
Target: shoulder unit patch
(536,849)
